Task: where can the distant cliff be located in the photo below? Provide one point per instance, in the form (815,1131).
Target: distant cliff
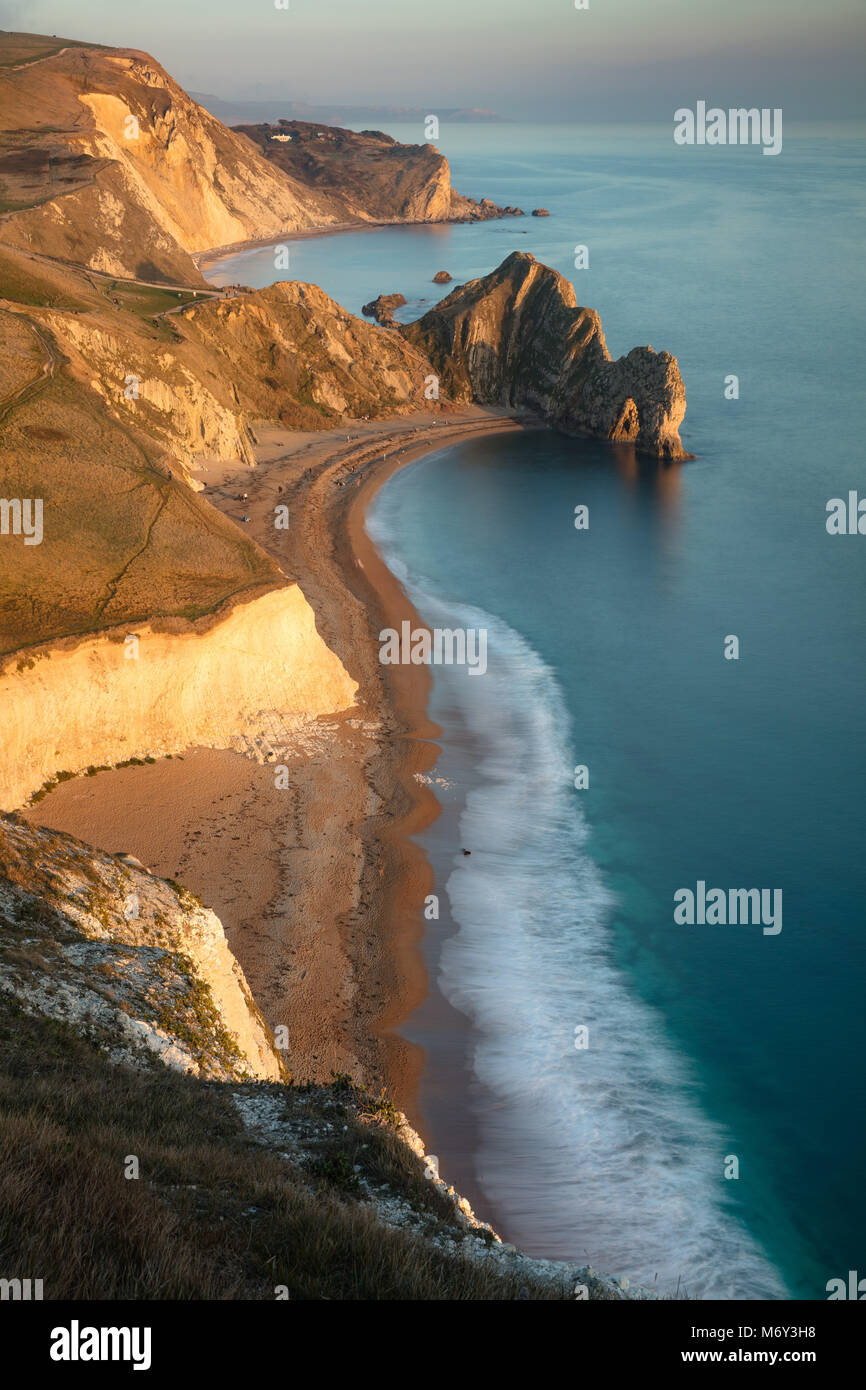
(105,160)
(369,176)
(274,109)
(517,337)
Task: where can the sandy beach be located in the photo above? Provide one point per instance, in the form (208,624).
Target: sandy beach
(317,884)
(212,257)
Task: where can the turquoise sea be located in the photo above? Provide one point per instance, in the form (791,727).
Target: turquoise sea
(706,1043)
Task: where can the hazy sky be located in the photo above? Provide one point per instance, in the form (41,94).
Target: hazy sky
(621,59)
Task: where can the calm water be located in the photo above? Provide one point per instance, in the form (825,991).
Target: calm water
(606,649)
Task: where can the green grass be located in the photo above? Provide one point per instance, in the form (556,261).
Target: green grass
(61,286)
(131,544)
(26,282)
(144,300)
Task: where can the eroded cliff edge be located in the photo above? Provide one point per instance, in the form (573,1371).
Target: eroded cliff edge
(371,176)
(135,962)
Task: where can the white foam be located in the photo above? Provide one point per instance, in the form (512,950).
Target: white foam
(604,1155)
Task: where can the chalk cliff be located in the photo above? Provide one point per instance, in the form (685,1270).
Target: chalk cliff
(134,962)
(110,162)
(105,699)
(517,337)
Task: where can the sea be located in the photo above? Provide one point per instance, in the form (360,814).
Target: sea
(678,1104)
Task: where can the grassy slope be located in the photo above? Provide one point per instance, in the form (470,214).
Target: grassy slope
(19,49)
(211,1216)
(123,541)
(221,1207)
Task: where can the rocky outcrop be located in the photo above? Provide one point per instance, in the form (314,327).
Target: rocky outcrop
(484,210)
(294,355)
(517,337)
(540,212)
(442,277)
(136,964)
(382,309)
(156,688)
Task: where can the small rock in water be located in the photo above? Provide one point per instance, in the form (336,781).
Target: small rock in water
(381,309)
(442,277)
(467,851)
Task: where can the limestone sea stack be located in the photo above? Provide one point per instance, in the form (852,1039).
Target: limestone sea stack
(517,337)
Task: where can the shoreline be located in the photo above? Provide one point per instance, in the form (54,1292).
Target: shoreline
(321,895)
(212,255)
(355,595)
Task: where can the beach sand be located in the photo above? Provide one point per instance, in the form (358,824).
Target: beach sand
(212,258)
(319,888)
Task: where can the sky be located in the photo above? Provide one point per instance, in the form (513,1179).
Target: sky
(527,59)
